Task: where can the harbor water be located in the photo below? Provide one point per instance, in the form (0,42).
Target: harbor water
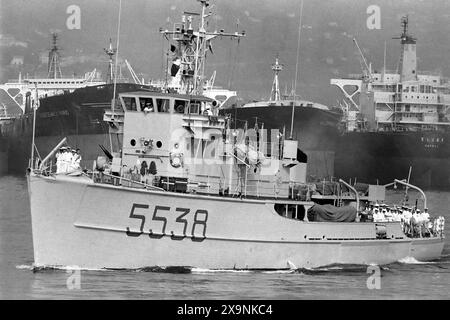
(406,279)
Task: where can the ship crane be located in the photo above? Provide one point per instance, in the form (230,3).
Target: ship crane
(366,68)
(133,74)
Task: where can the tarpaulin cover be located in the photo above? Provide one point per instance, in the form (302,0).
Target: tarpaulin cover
(331,213)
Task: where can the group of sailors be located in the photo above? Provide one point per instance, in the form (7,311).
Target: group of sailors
(415,223)
(68,160)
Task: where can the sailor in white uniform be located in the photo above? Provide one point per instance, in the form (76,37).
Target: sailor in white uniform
(77,160)
(73,166)
(63,160)
(417,222)
(377,215)
(388,214)
(407,215)
(58,160)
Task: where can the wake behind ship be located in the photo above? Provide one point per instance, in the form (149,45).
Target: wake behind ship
(399,126)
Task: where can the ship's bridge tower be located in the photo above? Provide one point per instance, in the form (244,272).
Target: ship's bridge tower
(408,58)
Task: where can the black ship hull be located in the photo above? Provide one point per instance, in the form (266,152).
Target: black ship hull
(3,155)
(379,157)
(315,129)
(78,116)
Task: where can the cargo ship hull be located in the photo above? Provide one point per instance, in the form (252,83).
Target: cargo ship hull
(77,116)
(379,157)
(3,156)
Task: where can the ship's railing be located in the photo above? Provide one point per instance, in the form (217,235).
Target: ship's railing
(107,178)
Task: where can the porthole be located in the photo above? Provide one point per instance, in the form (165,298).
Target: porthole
(159,144)
(133,142)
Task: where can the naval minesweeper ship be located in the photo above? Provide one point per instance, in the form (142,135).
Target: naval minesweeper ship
(186,189)
(397,123)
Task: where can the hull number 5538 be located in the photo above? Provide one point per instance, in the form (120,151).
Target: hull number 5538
(178,223)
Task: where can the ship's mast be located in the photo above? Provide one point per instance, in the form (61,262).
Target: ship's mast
(275,93)
(54,67)
(110,52)
(189,52)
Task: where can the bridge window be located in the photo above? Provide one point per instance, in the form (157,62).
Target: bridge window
(130,103)
(146,104)
(194,108)
(163,105)
(180,106)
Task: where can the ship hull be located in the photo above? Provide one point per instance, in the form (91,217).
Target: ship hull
(104,226)
(77,116)
(3,156)
(379,157)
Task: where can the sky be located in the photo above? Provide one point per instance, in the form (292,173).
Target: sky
(272,29)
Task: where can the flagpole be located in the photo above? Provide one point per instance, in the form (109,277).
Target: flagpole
(296,70)
(34,125)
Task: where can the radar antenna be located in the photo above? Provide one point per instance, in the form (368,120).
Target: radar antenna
(189,50)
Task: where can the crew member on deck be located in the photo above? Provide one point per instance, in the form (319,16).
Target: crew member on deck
(77,159)
(417,223)
(407,215)
(64,160)
(58,160)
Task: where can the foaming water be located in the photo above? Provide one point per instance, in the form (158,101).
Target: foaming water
(25,267)
(412,260)
(20,279)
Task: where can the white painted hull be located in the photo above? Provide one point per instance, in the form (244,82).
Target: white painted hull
(78,223)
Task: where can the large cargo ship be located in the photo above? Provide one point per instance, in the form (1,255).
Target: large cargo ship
(396,123)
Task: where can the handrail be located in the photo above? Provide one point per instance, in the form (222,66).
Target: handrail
(354,190)
(415,188)
(133,181)
(392,183)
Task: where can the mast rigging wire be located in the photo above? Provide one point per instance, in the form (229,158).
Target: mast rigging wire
(296,69)
(117,55)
